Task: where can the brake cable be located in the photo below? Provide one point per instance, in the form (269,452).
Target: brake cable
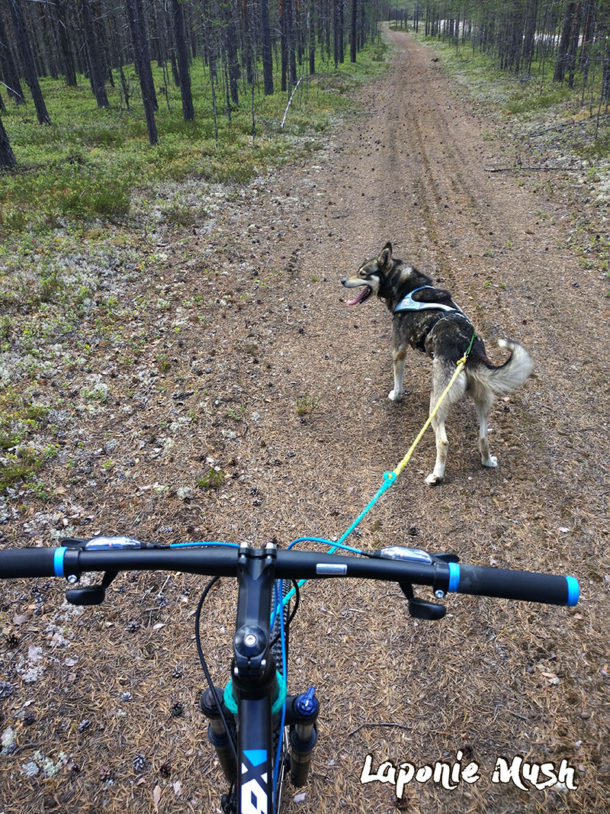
(204,665)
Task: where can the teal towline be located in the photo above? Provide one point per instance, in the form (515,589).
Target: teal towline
(388,480)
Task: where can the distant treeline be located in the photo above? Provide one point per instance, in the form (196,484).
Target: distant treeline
(569,37)
(242,43)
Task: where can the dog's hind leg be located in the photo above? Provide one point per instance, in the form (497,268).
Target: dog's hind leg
(440,379)
(442,444)
(483,400)
(398,357)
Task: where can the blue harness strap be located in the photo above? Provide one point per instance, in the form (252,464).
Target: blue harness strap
(409,304)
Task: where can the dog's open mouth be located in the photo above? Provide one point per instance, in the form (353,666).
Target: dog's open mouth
(364,294)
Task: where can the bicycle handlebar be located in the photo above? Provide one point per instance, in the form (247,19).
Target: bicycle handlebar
(507,584)
(27,562)
(208,560)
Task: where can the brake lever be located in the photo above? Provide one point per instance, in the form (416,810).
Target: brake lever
(420,608)
(91,594)
(73,542)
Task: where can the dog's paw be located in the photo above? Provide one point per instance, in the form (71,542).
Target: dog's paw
(394,395)
(491,462)
(433,480)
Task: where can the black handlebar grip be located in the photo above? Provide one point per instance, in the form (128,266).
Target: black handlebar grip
(523,585)
(27,562)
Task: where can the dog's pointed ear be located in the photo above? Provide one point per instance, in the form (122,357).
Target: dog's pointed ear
(384,260)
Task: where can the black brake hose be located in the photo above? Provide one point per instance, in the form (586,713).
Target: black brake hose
(297,601)
(204,665)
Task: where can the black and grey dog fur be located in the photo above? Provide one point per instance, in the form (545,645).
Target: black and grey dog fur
(445,334)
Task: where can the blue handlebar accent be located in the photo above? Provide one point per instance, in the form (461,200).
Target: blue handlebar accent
(454,577)
(573,591)
(58,561)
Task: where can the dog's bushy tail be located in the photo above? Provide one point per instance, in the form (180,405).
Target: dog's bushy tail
(507,377)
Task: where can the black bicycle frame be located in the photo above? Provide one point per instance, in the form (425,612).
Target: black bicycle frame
(254,681)
(256,700)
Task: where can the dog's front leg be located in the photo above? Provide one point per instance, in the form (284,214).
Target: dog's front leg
(398,356)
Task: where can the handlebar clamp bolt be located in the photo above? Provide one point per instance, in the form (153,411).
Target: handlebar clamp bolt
(439,593)
(72,579)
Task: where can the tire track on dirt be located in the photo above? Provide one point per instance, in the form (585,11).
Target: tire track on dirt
(454,189)
(480,233)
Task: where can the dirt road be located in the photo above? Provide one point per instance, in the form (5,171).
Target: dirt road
(280,386)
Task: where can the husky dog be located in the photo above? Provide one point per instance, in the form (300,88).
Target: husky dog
(426,318)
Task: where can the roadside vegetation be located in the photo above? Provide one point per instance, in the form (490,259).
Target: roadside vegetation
(86,205)
(535,99)
(89,160)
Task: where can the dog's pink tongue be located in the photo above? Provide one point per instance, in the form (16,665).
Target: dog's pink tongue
(359,298)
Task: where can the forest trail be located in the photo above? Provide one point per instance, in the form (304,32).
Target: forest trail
(274,381)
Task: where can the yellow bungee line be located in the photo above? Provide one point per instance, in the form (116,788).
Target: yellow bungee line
(411,450)
(390,477)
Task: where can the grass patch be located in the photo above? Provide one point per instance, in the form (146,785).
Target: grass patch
(306,405)
(600,148)
(86,164)
(515,94)
(212,479)
(19,420)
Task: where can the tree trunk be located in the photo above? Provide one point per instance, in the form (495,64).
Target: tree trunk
(605,91)
(183,63)
(96,76)
(354,32)
(140,47)
(529,34)
(267,54)
(338,32)
(564,43)
(139,37)
(312,38)
(232,57)
(27,57)
(8,70)
(573,45)
(290,42)
(588,35)
(7,157)
(63,42)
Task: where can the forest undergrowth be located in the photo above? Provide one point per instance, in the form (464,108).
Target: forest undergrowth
(87,163)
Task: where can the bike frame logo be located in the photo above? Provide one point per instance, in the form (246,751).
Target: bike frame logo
(254,791)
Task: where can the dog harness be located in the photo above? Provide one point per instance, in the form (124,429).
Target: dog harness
(409,304)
